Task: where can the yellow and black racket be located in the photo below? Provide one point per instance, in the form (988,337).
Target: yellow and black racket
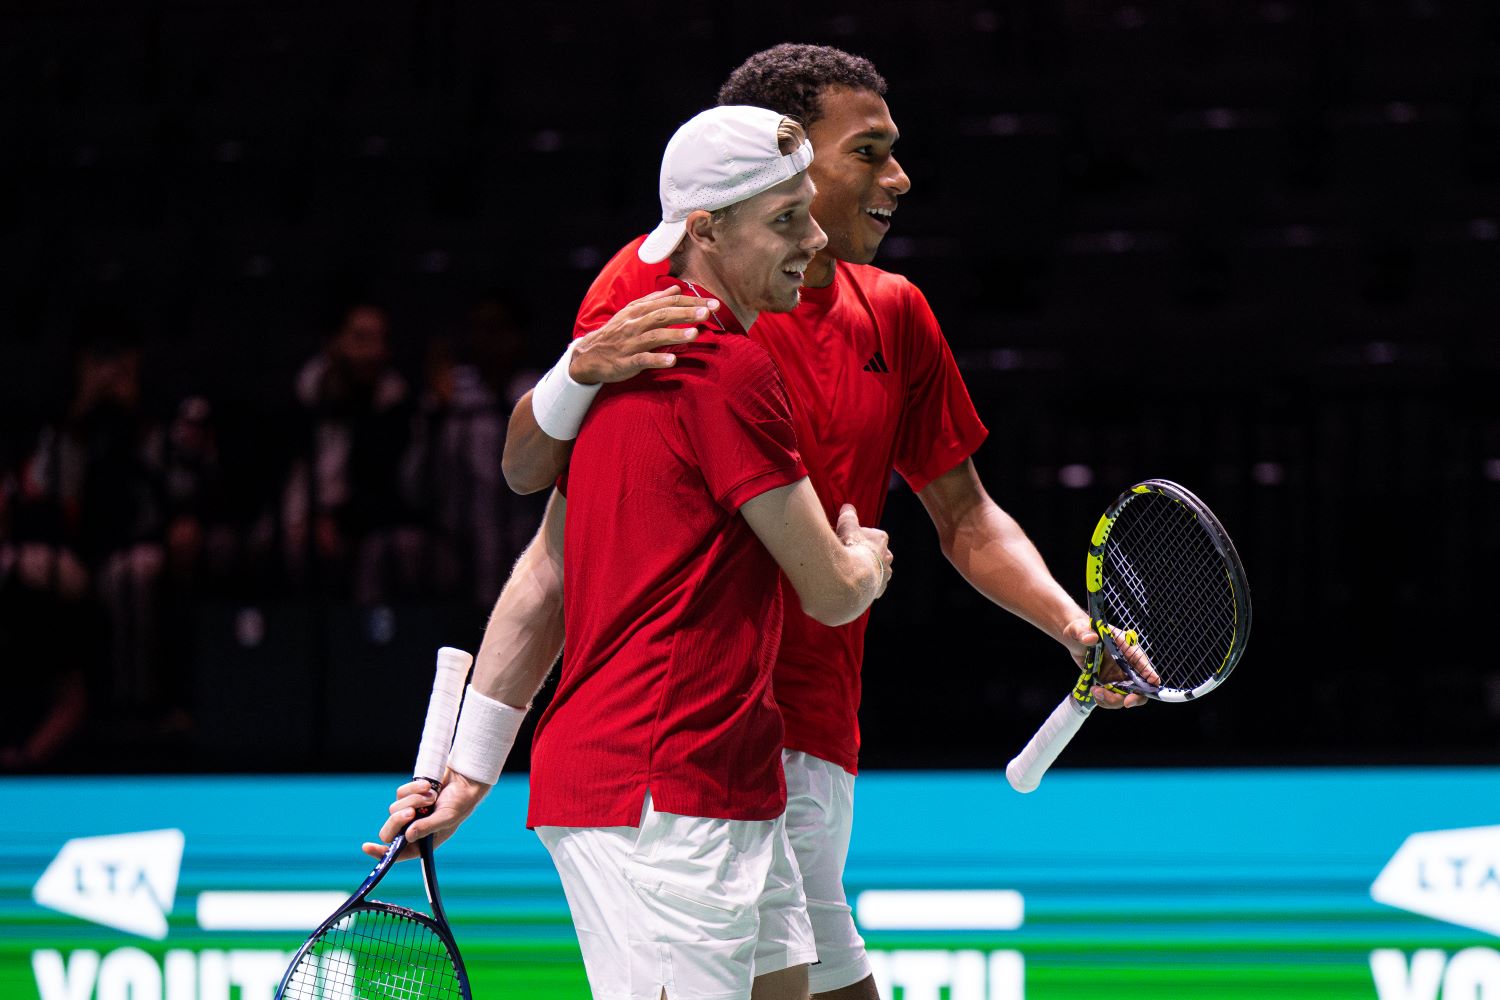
(1165,586)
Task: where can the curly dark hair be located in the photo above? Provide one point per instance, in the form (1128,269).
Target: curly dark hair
(791,78)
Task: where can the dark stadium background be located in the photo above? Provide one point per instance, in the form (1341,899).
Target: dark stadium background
(1251,246)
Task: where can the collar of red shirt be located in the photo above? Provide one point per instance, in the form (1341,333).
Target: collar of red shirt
(721,320)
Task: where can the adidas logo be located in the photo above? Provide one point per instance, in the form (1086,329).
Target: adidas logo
(877,364)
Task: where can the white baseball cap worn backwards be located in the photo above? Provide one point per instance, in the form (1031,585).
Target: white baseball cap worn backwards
(721,156)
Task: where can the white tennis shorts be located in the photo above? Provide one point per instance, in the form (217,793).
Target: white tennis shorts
(696,907)
(819,818)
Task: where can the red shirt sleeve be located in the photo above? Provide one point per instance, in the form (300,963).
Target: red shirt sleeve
(623,280)
(739,423)
(940,427)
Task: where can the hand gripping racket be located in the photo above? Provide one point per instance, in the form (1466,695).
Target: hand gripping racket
(368,949)
(1164,583)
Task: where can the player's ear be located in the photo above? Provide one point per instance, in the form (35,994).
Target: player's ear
(701,230)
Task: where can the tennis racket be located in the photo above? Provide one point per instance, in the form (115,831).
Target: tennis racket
(1166,588)
(368,949)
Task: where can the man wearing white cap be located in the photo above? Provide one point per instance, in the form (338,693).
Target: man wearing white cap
(874,389)
(656,782)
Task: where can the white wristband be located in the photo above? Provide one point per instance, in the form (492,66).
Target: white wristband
(559,403)
(486,732)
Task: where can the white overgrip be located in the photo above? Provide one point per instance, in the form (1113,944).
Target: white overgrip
(1025,772)
(442,712)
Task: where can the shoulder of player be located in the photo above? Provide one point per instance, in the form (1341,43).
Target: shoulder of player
(878,281)
(722,366)
(897,298)
(628,256)
(713,364)
(623,279)
(727,356)
(626,266)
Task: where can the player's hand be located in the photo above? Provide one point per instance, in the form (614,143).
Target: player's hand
(1080,637)
(453,805)
(852,533)
(628,344)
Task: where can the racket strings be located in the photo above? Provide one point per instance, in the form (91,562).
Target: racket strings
(376,955)
(1164,578)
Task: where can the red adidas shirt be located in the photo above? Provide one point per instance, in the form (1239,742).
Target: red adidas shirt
(874,387)
(673,605)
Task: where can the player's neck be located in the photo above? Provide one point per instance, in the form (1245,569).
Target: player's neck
(819,273)
(709,284)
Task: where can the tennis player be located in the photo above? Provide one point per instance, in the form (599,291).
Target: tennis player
(873,388)
(657,782)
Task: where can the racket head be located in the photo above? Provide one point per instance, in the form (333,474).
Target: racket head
(1163,575)
(370,948)
(376,949)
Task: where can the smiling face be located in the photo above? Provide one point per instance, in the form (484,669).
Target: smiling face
(858,179)
(755,255)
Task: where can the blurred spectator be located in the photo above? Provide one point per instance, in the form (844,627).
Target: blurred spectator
(209,535)
(191,474)
(102,469)
(475,525)
(347,527)
(498,333)
(47,633)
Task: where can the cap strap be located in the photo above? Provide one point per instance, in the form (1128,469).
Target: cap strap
(798,159)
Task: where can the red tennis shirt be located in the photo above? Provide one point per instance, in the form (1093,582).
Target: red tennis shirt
(672,603)
(874,388)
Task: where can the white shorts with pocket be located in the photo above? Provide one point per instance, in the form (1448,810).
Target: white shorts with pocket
(819,819)
(693,906)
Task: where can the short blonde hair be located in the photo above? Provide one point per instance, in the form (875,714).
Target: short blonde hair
(789,136)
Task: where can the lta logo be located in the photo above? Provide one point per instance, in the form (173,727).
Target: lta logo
(127,881)
(1450,875)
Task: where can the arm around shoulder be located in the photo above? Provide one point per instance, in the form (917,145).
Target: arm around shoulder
(532,460)
(539,441)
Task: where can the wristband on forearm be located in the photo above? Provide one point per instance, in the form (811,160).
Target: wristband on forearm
(559,403)
(486,732)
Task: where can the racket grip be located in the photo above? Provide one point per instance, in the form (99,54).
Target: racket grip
(1025,772)
(442,713)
